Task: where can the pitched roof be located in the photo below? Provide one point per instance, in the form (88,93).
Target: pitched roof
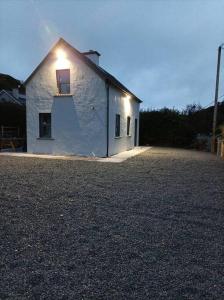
(13,99)
(100,71)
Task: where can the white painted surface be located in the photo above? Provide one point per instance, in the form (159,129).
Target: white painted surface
(120,104)
(79,121)
(122,156)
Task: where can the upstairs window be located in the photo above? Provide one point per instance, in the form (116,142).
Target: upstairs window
(128,125)
(118,125)
(45,125)
(63,81)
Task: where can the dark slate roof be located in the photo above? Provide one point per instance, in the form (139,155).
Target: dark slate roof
(100,71)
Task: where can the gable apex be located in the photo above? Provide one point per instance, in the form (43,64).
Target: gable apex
(99,70)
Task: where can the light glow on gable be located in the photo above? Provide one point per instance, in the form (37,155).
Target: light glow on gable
(61,62)
(60,54)
(127,104)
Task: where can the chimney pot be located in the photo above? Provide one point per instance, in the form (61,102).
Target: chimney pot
(93,56)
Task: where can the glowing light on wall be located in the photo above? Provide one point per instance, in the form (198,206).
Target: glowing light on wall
(60,54)
(61,62)
(127,104)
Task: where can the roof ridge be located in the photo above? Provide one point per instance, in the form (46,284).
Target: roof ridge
(99,70)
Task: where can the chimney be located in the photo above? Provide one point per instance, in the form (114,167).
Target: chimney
(93,56)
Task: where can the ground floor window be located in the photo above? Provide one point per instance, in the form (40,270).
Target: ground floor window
(128,125)
(45,125)
(118,125)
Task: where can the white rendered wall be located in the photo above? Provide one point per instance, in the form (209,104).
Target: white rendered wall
(78,121)
(120,104)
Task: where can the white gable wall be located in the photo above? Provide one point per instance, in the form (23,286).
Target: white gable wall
(78,121)
(120,104)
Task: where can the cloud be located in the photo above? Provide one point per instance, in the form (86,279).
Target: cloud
(164,51)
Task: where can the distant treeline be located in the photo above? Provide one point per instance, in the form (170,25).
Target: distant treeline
(170,127)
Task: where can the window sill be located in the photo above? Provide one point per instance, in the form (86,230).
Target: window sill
(118,137)
(45,138)
(63,95)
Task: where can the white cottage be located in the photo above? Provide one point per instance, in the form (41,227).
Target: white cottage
(74,106)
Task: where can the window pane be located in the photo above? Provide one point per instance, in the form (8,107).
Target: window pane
(63,81)
(64,88)
(117,125)
(128,125)
(45,125)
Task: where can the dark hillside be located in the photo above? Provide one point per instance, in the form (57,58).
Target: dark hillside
(8,83)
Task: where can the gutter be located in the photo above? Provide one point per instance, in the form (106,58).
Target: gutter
(108,114)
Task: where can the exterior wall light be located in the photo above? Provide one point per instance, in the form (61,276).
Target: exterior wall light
(127,105)
(60,54)
(62,62)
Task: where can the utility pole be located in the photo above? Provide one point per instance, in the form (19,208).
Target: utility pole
(213,145)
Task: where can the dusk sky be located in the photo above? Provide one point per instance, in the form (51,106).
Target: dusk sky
(163,51)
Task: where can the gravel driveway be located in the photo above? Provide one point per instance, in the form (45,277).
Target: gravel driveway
(149,228)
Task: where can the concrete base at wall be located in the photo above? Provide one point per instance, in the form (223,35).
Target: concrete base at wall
(118,158)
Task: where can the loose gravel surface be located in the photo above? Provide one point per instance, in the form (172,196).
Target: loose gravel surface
(149,228)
